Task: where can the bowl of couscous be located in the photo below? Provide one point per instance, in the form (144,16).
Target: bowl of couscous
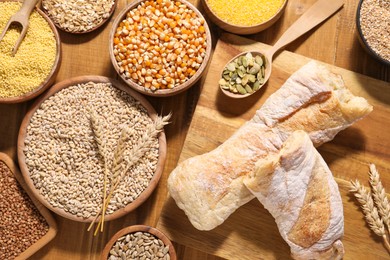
(243,16)
(160,48)
(35,65)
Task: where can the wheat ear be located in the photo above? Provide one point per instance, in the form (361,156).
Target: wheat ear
(98,133)
(379,195)
(370,211)
(135,154)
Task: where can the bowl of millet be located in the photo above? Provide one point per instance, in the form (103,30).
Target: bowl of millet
(35,65)
(91,149)
(139,242)
(161,47)
(373,28)
(244,16)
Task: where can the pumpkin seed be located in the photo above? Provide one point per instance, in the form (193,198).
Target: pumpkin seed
(244,74)
(231,66)
(241,89)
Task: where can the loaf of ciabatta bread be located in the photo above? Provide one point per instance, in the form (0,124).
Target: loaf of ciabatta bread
(298,189)
(209,187)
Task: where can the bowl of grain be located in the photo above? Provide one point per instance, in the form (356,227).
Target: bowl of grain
(91,149)
(242,16)
(26,225)
(139,242)
(372,23)
(160,48)
(35,65)
(78,17)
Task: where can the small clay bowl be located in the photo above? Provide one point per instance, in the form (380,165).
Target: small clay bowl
(51,233)
(242,30)
(363,42)
(143,196)
(50,77)
(160,92)
(47,11)
(139,228)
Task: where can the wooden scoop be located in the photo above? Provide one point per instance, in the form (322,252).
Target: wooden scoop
(21,17)
(316,14)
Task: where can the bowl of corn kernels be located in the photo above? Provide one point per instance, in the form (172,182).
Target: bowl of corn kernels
(33,68)
(372,23)
(139,242)
(244,16)
(160,48)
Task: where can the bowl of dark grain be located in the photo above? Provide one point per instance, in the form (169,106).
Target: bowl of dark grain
(78,17)
(372,23)
(139,242)
(26,225)
(160,48)
(35,65)
(244,17)
(91,149)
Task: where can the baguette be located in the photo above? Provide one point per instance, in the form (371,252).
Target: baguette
(209,187)
(298,189)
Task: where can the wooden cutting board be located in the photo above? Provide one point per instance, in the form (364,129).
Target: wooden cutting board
(250,232)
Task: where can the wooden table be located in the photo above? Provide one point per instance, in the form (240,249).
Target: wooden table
(334,42)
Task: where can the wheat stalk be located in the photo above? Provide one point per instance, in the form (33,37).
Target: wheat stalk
(98,133)
(137,151)
(379,195)
(370,211)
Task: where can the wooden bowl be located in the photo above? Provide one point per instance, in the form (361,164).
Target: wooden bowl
(51,233)
(139,228)
(160,92)
(242,30)
(363,42)
(86,31)
(71,82)
(50,77)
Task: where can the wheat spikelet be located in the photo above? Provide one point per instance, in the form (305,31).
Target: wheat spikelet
(379,195)
(370,211)
(98,133)
(143,145)
(138,150)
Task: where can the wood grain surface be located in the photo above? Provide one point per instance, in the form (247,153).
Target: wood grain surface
(333,42)
(251,229)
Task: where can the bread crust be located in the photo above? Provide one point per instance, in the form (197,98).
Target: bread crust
(303,197)
(209,187)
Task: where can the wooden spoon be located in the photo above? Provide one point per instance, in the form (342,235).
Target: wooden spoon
(21,17)
(316,14)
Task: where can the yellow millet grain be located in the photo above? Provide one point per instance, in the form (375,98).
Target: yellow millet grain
(34,59)
(245,12)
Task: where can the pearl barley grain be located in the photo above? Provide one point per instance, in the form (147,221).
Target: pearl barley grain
(78,16)
(63,158)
